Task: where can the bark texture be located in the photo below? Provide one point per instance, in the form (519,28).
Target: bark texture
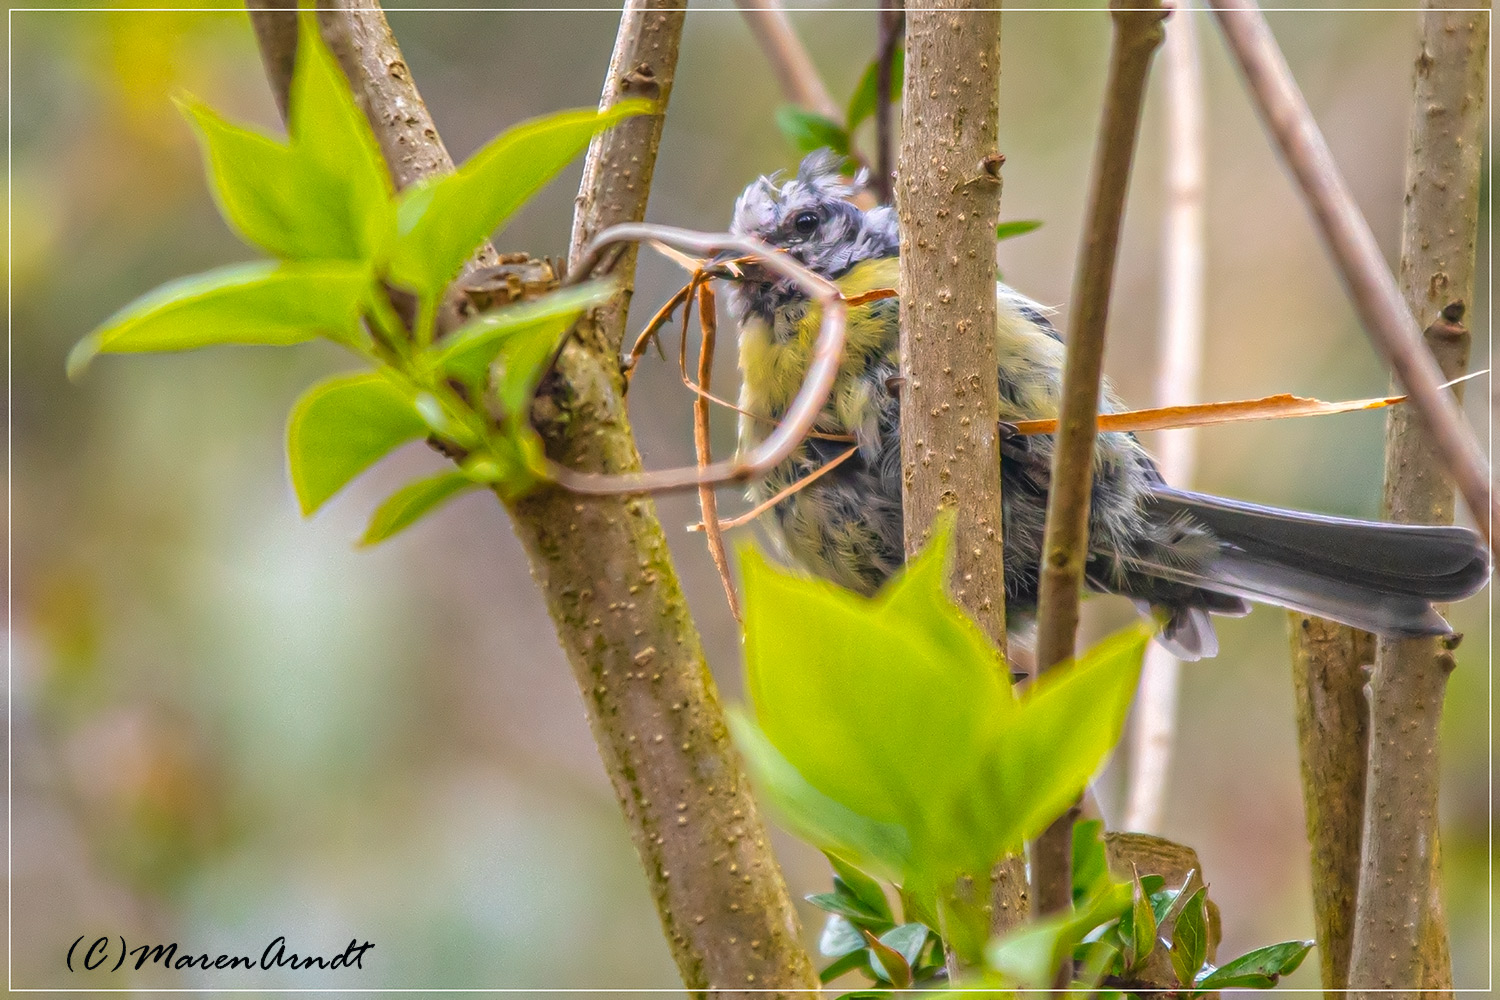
(1137,33)
(948,202)
(1400,937)
(604,567)
(1329,670)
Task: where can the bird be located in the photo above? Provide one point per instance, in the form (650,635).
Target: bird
(1180,556)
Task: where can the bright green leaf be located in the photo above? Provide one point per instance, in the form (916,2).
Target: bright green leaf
(1031,955)
(1190,939)
(1090,860)
(1143,925)
(862,101)
(341,427)
(523,336)
(844,906)
(808,130)
(334,140)
(861,886)
(1259,969)
(261,303)
(442,220)
(908,939)
(888,963)
(859,958)
(883,848)
(412,502)
(1009,230)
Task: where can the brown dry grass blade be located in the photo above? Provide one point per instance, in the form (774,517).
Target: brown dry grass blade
(708,503)
(1278,407)
(803,483)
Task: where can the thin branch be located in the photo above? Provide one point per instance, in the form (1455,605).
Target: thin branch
(707,502)
(740,520)
(892,21)
(1385,316)
(619,609)
(1179,368)
(1137,33)
(793,66)
(947,202)
(828,350)
(275,24)
(1400,932)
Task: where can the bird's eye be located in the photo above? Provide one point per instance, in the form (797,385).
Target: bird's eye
(805,223)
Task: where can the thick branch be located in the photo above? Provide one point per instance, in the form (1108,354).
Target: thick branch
(948,202)
(613,593)
(1385,316)
(1179,374)
(1137,33)
(1400,937)
(793,66)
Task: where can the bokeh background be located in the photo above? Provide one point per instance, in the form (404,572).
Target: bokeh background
(229,723)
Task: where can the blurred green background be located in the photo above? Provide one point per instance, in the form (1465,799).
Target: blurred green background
(230,724)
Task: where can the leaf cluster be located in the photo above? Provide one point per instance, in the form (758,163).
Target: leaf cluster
(357,263)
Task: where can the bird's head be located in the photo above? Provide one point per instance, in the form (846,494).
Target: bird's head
(812,218)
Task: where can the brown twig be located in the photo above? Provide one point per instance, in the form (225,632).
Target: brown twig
(741,520)
(947,203)
(892,21)
(707,502)
(1385,316)
(828,350)
(793,67)
(652,331)
(1400,931)
(1137,33)
(1179,372)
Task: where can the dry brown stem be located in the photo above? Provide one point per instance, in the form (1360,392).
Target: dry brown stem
(707,502)
(1386,317)
(792,66)
(1137,33)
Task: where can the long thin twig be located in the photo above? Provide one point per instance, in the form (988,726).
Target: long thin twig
(892,19)
(1137,33)
(740,520)
(1385,316)
(1400,931)
(828,350)
(708,503)
(794,68)
(1179,373)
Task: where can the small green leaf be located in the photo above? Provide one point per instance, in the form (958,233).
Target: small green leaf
(524,335)
(1143,925)
(840,937)
(1168,903)
(334,141)
(1190,939)
(414,501)
(443,219)
(859,958)
(861,886)
(845,906)
(260,303)
(1259,969)
(1031,955)
(808,130)
(909,940)
(862,101)
(343,426)
(1099,959)
(1009,230)
(888,963)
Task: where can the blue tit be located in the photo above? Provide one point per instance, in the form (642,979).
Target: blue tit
(1180,556)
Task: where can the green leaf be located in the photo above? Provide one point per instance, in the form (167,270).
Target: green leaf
(260,303)
(1190,939)
(333,139)
(1031,955)
(1090,860)
(840,937)
(1009,230)
(1143,926)
(1068,722)
(849,879)
(808,130)
(1168,903)
(844,906)
(888,963)
(414,501)
(343,426)
(862,101)
(523,336)
(883,848)
(442,220)
(859,958)
(908,940)
(1259,969)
